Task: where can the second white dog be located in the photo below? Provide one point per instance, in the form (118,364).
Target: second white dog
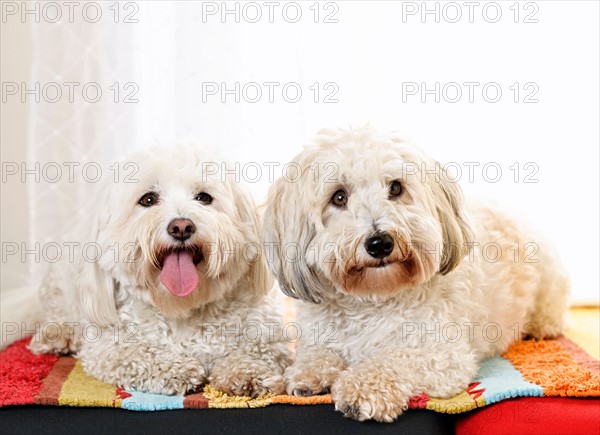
(408,287)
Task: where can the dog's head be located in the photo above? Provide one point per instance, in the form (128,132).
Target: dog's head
(176,231)
(363,214)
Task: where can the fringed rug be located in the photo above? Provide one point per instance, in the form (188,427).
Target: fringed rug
(529,368)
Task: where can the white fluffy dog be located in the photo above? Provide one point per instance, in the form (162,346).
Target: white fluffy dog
(403,288)
(179,294)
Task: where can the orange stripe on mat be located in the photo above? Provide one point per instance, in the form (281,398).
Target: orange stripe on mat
(547,364)
(54,381)
(324,399)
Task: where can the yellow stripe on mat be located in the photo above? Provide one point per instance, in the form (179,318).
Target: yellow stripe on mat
(218,399)
(584,329)
(82,390)
(462,402)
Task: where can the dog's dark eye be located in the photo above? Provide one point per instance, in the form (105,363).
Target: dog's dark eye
(204,198)
(339,198)
(395,189)
(149,199)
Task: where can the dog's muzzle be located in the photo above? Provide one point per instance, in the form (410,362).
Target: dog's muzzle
(178,265)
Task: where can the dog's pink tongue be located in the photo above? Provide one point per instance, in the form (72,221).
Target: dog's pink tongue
(179,275)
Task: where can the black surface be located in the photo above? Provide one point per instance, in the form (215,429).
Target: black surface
(274,419)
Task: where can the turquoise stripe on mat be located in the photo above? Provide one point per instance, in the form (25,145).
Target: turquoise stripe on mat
(502,380)
(151,402)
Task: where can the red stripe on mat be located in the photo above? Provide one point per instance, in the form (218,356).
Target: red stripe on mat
(582,358)
(195,401)
(55,380)
(21,374)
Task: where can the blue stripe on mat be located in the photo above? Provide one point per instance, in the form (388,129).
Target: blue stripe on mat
(151,402)
(502,380)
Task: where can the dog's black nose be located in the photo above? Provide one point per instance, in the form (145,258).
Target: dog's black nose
(379,245)
(181,229)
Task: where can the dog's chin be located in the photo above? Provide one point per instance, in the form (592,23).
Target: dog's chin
(380,277)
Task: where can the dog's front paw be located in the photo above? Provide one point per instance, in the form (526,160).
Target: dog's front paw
(144,369)
(252,378)
(314,373)
(176,377)
(56,338)
(361,398)
(180,377)
(307,380)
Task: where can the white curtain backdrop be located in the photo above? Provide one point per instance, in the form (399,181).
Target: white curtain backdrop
(175,51)
(72,138)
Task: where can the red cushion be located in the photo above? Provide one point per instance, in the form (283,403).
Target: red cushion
(533,415)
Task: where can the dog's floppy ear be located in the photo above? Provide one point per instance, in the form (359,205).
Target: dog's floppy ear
(288,231)
(259,275)
(95,287)
(457,232)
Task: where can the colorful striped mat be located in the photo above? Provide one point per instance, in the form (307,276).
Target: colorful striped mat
(529,368)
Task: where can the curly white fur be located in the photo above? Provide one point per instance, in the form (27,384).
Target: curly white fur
(128,329)
(422,318)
